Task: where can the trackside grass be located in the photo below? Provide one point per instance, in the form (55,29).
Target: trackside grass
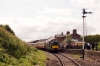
(99,46)
(31,59)
(76,55)
(15,52)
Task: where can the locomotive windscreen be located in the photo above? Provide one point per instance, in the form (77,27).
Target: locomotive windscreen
(54,42)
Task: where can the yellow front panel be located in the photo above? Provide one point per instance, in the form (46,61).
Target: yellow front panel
(54,46)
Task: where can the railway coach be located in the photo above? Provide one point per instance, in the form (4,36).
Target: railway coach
(50,44)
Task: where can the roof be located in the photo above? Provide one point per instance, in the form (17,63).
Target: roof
(41,40)
(36,41)
(59,35)
(50,38)
(76,34)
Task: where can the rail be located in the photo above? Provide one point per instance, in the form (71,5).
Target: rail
(71,59)
(60,60)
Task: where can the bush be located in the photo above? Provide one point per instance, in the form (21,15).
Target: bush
(15,52)
(13,45)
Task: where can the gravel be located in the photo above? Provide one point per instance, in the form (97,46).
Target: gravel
(52,61)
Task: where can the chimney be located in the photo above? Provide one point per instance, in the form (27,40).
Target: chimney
(74,31)
(62,33)
(68,32)
(55,36)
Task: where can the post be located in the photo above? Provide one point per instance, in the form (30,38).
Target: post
(84,12)
(83,36)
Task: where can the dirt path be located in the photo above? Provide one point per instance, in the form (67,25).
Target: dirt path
(52,61)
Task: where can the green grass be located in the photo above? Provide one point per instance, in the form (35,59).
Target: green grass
(31,59)
(76,55)
(15,52)
(36,58)
(99,46)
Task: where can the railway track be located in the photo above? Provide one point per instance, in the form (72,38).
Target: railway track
(65,61)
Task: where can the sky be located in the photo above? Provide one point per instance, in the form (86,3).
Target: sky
(40,19)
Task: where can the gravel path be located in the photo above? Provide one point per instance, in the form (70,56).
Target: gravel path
(52,61)
(86,62)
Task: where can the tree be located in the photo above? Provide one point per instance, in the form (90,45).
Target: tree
(9,29)
(68,39)
(92,38)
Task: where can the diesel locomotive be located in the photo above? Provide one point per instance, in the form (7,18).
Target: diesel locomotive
(52,45)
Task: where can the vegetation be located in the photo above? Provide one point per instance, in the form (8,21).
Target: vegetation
(93,38)
(76,55)
(15,52)
(68,39)
(8,29)
(99,45)
(88,38)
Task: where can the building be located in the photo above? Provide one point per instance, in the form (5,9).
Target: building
(76,42)
(74,35)
(60,37)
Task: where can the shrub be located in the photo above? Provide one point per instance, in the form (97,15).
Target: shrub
(15,52)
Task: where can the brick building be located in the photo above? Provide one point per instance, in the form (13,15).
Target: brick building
(60,37)
(76,42)
(74,35)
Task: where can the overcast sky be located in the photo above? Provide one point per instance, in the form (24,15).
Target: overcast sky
(40,19)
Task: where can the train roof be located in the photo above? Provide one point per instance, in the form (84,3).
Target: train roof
(41,40)
(51,38)
(37,41)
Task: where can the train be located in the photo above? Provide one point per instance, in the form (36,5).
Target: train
(50,44)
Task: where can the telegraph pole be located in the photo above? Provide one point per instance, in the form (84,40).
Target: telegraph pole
(84,12)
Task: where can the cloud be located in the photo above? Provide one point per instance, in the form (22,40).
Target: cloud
(39,27)
(56,11)
(42,26)
(85,3)
(92,20)
(36,19)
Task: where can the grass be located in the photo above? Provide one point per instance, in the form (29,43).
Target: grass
(99,46)
(31,59)
(15,52)
(76,55)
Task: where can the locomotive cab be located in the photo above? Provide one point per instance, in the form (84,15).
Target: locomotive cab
(53,45)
